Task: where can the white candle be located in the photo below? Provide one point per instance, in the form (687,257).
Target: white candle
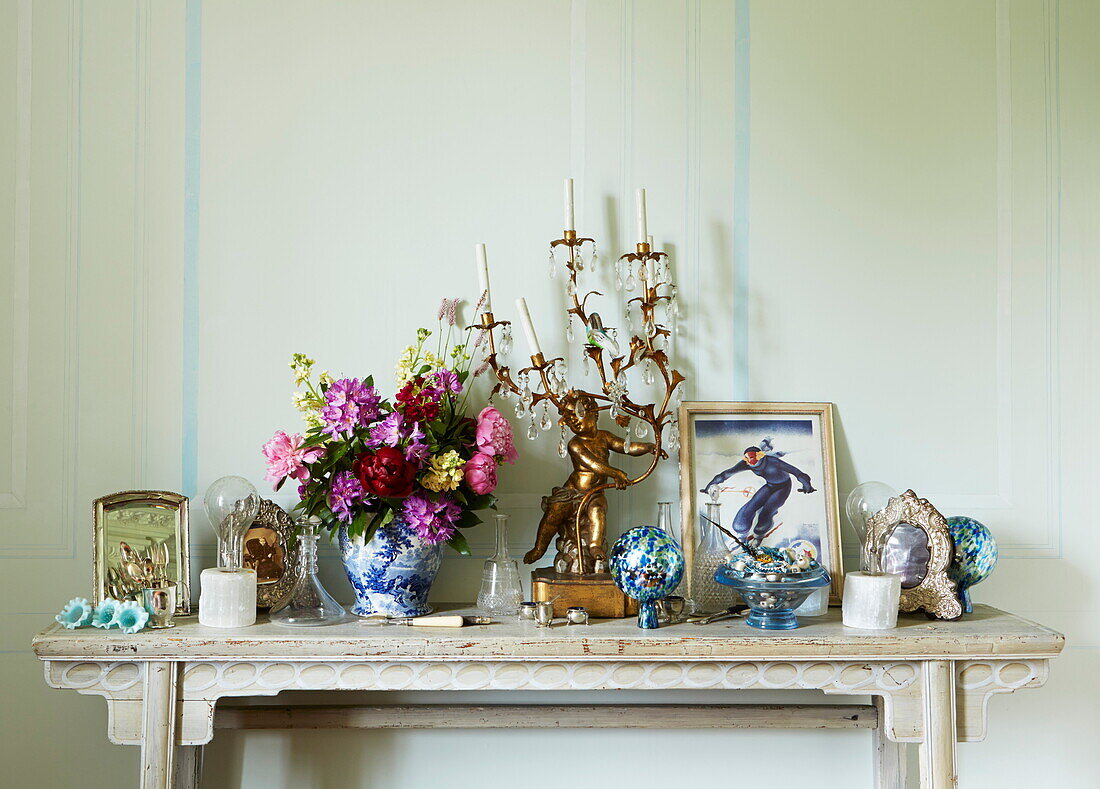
(871,601)
(483,278)
(642,224)
(528,327)
(570,223)
(227,598)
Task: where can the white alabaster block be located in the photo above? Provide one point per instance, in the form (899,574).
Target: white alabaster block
(871,601)
(227,597)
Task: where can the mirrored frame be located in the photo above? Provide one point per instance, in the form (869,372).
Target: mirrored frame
(141,517)
(935,593)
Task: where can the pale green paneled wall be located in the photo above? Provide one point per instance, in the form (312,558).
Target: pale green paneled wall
(885,205)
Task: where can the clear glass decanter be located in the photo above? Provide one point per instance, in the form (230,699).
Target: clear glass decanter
(501,591)
(707,595)
(309,604)
(664,519)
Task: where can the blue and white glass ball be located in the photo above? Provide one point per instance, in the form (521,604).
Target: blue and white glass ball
(975,556)
(647,564)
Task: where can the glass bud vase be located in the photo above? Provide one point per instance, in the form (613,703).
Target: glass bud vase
(707,595)
(501,591)
(664,519)
(309,604)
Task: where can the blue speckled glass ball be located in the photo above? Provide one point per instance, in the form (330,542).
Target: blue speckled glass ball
(975,556)
(647,564)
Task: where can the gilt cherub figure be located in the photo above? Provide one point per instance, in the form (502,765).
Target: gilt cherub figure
(589,450)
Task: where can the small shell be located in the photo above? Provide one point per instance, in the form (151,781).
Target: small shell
(771,577)
(739,566)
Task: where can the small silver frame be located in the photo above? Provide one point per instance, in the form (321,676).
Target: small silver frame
(936,594)
(157,498)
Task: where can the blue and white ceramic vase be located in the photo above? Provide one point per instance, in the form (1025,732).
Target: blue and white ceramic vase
(647,564)
(975,556)
(393,573)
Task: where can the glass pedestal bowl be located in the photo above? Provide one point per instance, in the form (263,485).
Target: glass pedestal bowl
(772,603)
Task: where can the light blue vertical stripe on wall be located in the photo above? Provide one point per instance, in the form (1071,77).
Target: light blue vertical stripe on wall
(192,149)
(742,125)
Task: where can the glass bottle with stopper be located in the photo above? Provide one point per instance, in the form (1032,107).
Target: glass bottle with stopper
(501,591)
(309,604)
(707,594)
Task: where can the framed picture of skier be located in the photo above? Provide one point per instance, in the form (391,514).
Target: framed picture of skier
(771,468)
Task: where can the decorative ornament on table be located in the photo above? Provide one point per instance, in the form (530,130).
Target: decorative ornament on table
(501,591)
(871,596)
(574,513)
(647,564)
(975,556)
(130,617)
(76,613)
(309,603)
(774,582)
(394,481)
(916,544)
(227,595)
(104,615)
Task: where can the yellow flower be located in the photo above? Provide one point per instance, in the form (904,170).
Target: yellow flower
(445,472)
(403,371)
(325,378)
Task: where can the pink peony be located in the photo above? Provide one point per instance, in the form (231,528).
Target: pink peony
(286,457)
(494,435)
(481,473)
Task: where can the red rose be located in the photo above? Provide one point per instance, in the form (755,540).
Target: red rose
(386,473)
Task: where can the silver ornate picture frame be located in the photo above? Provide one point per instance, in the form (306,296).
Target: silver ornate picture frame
(148,521)
(272,551)
(923,561)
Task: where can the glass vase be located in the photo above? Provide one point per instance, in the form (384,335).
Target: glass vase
(501,591)
(309,604)
(707,595)
(664,519)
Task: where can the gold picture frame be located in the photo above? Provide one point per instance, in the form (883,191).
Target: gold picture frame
(810,426)
(141,518)
(935,593)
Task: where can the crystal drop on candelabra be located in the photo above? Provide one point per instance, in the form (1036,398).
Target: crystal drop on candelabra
(570,288)
(627,322)
(673,436)
(586,366)
(546,422)
(579,261)
(631,283)
(618,281)
(561,444)
(532,429)
(506,340)
(553,265)
(640,429)
(569,335)
(650,329)
(614,410)
(595,256)
(647,373)
(521,409)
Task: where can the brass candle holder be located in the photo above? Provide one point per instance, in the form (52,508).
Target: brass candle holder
(574,514)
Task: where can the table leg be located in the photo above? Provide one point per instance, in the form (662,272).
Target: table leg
(889,755)
(187,770)
(937,752)
(158,728)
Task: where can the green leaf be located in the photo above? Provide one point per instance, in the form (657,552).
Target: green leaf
(458,542)
(467,519)
(279,484)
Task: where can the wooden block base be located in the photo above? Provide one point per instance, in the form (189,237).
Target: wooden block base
(595,591)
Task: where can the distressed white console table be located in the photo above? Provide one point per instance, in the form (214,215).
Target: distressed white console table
(930,681)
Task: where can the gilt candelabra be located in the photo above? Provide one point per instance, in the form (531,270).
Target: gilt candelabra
(575,512)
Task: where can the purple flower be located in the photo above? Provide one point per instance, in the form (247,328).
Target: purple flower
(345,492)
(433,520)
(386,433)
(349,404)
(417,451)
(447,380)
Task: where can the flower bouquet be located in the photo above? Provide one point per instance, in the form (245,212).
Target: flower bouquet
(394,480)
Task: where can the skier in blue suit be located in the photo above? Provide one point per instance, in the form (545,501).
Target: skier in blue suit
(765,503)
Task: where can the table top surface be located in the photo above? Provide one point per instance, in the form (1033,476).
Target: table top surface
(988,632)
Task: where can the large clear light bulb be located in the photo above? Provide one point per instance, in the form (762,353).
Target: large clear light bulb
(232,504)
(865,500)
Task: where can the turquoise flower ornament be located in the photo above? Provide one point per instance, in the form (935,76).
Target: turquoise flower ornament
(104,615)
(76,613)
(130,617)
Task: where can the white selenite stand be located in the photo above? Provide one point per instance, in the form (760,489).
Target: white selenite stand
(228,597)
(871,600)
